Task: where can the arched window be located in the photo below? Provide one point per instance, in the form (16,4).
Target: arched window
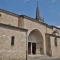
(55,41)
(12,40)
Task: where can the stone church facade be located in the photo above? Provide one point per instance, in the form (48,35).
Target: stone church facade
(22,36)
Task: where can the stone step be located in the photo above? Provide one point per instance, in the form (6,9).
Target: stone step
(41,57)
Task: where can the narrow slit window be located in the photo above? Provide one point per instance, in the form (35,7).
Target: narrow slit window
(0,15)
(12,40)
(55,41)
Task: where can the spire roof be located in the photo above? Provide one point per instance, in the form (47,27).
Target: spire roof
(38,14)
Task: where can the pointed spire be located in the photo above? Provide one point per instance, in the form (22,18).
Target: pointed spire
(38,14)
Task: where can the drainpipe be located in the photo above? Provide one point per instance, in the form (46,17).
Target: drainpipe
(26,47)
(45,41)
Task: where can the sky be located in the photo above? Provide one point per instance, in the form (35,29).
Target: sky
(49,9)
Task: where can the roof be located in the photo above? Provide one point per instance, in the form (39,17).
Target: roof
(55,27)
(52,35)
(10,13)
(27,17)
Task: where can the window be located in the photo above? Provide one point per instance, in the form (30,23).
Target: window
(55,41)
(0,15)
(12,40)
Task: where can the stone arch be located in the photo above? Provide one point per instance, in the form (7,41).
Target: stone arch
(55,33)
(35,42)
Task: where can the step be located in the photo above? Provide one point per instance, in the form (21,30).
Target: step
(41,57)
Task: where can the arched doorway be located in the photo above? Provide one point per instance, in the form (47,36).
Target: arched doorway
(35,42)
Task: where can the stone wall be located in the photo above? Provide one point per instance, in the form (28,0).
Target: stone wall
(48,45)
(18,50)
(55,49)
(8,19)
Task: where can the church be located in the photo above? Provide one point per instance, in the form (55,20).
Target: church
(26,38)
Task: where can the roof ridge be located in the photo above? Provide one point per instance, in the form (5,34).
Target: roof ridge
(8,12)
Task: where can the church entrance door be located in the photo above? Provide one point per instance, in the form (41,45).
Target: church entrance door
(34,48)
(31,48)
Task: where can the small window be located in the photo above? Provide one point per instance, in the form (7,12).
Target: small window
(0,15)
(12,40)
(55,41)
